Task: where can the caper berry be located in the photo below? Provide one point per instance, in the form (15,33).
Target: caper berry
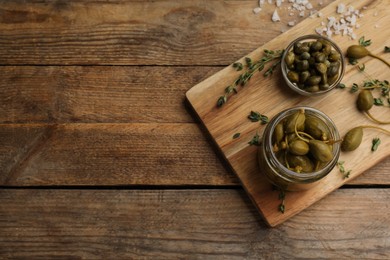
(301,161)
(298,147)
(365,100)
(320,151)
(295,120)
(352,139)
(357,51)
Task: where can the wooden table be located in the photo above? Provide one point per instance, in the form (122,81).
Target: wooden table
(101,157)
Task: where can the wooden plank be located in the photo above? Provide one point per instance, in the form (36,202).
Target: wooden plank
(188,224)
(61,94)
(270,96)
(108,154)
(120,154)
(134,32)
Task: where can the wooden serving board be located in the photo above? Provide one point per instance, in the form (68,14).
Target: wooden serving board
(271,95)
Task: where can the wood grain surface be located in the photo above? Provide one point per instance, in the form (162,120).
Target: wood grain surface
(102,158)
(187,224)
(262,94)
(120,32)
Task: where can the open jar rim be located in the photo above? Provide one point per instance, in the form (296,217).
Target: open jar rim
(286,173)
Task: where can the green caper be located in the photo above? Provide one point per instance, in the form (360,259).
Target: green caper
(316,128)
(327,63)
(304,76)
(291,137)
(352,139)
(278,133)
(313,80)
(324,79)
(298,147)
(365,100)
(312,61)
(293,76)
(324,86)
(333,69)
(312,89)
(326,49)
(300,161)
(289,59)
(332,79)
(302,65)
(321,68)
(297,119)
(305,56)
(320,57)
(334,56)
(320,151)
(297,48)
(357,51)
(316,46)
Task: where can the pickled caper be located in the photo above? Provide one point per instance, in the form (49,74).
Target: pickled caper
(293,76)
(301,161)
(316,128)
(321,68)
(302,65)
(352,139)
(304,76)
(289,59)
(298,147)
(313,80)
(305,56)
(320,151)
(365,100)
(316,46)
(334,56)
(278,133)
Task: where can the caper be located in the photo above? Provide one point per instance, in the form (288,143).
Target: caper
(300,161)
(332,79)
(357,51)
(320,151)
(298,147)
(295,120)
(316,128)
(297,48)
(312,89)
(320,57)
(316,46)
(352,139)
(291,137)
(324,79)
(278,133)
(365,100)
(324,86)
(312,61)
(326,49)
(302,65)
(304,76)
(293,76)
(305,56)
(333,69)
(313,80)
(321,68)
(334,56)
(327,63)
(289,59)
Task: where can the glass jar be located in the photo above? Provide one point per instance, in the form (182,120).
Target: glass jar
(280,175)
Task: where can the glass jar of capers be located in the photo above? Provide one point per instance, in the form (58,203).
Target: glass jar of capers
(300,146)
(312,65)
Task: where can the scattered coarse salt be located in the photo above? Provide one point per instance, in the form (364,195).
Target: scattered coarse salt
(309,6)
(270,1)
(376,13)
(257,10)
(292,23)
(278,3)
(302,14)
(364,8)
(275,16)
(340,8)
(291,14)
(357,26)
(319,14)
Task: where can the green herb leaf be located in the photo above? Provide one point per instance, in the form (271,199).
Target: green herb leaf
(344,173)
(340,86)
(352,61)
(362,42)
(256,117)
(238,66)
(375,143)
(378,102)
(361,68)
(255,140)
(248,61)
(236,135)
(387,49)
(221,100)
(282,207)
(355,88)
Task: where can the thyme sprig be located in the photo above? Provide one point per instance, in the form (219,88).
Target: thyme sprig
(255,116)
(363,42)
(255,140)
(344,172)
(375,143)
(282,197)
(251,69)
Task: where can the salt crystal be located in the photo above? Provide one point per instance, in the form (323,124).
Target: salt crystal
(322,23)
(278,3)
(275,16)
(291,14)
(301,14)
(270,1)
(357,26)
(319,14)
(364,7)
(292,23)
(257,10)
(353,36)
(341,8)
(261,2)
(309,6)
(376,26)
(376,13)
(318,31)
